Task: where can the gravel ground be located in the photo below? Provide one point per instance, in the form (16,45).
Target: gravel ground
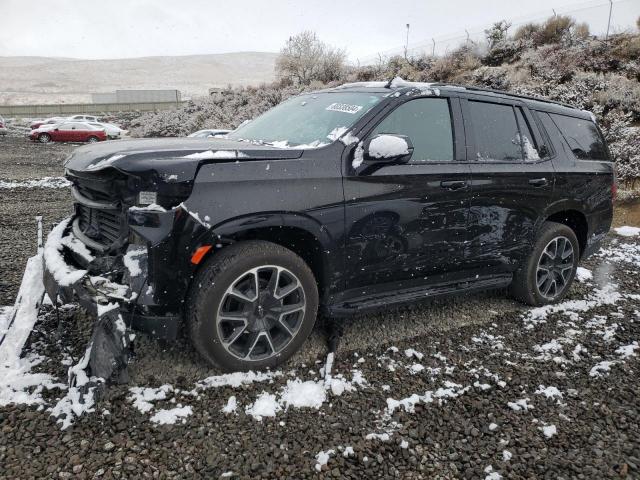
(490,387)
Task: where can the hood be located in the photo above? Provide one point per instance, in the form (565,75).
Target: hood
(169,156)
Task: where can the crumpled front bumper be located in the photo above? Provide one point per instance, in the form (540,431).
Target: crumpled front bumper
(73,274)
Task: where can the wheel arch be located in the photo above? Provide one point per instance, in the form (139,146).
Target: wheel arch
(576,220)
(301,234)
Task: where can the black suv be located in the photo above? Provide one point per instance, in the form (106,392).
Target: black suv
(348,199)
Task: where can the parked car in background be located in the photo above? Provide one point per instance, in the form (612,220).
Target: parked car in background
(68,132)
(3,126)
(83,118)
(209,133)
(112,131)
(46,121)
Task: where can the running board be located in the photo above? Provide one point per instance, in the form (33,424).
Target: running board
(393,299)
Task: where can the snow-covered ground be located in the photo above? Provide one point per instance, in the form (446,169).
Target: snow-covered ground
(516,381)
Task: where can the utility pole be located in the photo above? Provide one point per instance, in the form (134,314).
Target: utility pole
(433,49)
(606,38)
(406,45)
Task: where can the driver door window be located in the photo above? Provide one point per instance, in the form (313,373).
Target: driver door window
(427,122)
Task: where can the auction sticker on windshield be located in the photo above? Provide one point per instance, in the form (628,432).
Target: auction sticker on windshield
(344,107)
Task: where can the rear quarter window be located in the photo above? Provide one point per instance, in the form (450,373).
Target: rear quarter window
(583,137)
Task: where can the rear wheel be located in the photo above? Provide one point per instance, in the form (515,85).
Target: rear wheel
(251,306)
(44,138)
(547,273)
(93,139)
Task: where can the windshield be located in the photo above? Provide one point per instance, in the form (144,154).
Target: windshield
(310,120)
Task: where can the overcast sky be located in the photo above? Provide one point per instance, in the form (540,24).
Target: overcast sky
(134,28)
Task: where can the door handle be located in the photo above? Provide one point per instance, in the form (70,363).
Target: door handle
(538,182)
(453,184)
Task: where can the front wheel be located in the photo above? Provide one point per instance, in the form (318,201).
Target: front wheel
(547,273)
(251,306)
(44,138)
(93,139)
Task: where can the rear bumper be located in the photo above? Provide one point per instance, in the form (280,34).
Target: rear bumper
(73,274)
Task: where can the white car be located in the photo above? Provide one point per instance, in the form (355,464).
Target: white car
(112,131)
(47,121)
(83,118)
(209,133)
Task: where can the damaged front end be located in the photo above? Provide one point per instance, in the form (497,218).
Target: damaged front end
(117,257)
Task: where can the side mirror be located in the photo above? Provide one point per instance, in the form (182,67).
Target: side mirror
(56,129)
(387,148)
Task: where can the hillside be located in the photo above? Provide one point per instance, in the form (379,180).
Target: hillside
(57,80)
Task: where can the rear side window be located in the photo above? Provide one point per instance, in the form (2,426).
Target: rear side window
(527,140)
(583,137)
(496,132)
(427,122)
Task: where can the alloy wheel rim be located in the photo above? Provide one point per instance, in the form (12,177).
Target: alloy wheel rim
(260,313)
(555,267)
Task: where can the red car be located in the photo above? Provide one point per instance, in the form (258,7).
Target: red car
(68,132)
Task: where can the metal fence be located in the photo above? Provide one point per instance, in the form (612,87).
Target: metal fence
(63,109)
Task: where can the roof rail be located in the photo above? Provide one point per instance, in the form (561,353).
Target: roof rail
(502,92)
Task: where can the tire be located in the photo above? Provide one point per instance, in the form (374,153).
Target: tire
(541,279)
(44,138)
(227,319)
(93,139)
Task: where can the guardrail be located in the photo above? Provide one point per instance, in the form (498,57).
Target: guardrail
(63,109)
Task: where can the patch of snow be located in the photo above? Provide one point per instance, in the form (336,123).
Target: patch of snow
(266,405)
(601,369)
(348,452)
(153,207)
(387,146)
(358,156)
(235,379)
(143,396)
(404,444)
(549,392)
(76,402)
(549,430)
(171,416)
(493,426)
(383,437)
(627,231)
(336,133)
(45,182)
(410,352)
(349,139)
(415,368)
(451,390)
(520,405)
(210,154)
(322,458)
(506,455)
(608,295)
(104,163)
(64,274)
(299,394)
(231,406)
(491,474)
(626,351)
(583,275)
(131,260)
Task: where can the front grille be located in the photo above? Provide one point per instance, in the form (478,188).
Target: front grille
(105,227)
(93,194)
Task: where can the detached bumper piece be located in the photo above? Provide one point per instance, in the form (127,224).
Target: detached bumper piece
(110,347)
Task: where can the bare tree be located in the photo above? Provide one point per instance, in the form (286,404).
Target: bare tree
(306,58)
